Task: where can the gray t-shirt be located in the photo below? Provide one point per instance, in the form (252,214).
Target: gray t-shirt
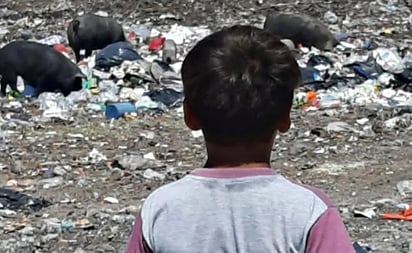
(238,210)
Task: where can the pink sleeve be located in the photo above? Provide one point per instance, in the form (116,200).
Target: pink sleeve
(137,243)
(329,234)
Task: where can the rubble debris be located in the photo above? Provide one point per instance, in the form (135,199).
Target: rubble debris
(13,200)
(404,187)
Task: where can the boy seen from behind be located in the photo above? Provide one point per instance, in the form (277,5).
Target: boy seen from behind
(239,84)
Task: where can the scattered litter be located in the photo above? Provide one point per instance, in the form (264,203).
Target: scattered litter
(130,162)
(51,182)
(368,213)
(111,200)
(340,127)
(330,17)
(403,206)
(117,110)
(156,44)
(151,174)
(149,156)
(402,215)
(96,156)
(358,248)
(197,134)
(53,40)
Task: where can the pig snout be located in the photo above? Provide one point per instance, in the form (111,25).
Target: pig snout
(77,82)
(76,85)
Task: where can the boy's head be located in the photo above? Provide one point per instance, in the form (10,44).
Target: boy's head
(239,85)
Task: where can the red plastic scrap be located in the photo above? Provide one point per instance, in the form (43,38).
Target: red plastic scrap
(131,36)
(402,215)
(61,48)
(156,43)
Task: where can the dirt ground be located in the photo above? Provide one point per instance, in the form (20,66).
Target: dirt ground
(355,169)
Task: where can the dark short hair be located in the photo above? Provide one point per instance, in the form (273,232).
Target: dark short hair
(238,82)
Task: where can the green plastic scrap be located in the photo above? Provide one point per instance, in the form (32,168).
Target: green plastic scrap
(135,81)
(15,94)
(90,83)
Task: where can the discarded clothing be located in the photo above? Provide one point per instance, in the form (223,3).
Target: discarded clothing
(316,60)
(367,70)
(370,44)
(310,75)
(337,81)
(114,54)
(404,79)
(168,97)
(363,72)
(159,69)
(14,200)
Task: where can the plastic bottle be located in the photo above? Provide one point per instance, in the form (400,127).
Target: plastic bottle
(330,17)
(328,101)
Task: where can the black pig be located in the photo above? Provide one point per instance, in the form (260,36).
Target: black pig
(301,29)
(41,66)
(92,32)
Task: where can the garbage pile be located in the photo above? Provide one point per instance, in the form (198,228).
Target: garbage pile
(125,78)
(142,74)
(380,76)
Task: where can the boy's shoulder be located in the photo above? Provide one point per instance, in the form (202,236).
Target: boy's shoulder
(169,192)
(188,188)
(304,193)
(320,194)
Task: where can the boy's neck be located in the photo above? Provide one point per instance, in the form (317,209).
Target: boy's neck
(248,155)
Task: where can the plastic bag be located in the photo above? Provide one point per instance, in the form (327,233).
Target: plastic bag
(389,60)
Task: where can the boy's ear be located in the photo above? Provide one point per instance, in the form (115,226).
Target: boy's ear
(284,123)
(190,119)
